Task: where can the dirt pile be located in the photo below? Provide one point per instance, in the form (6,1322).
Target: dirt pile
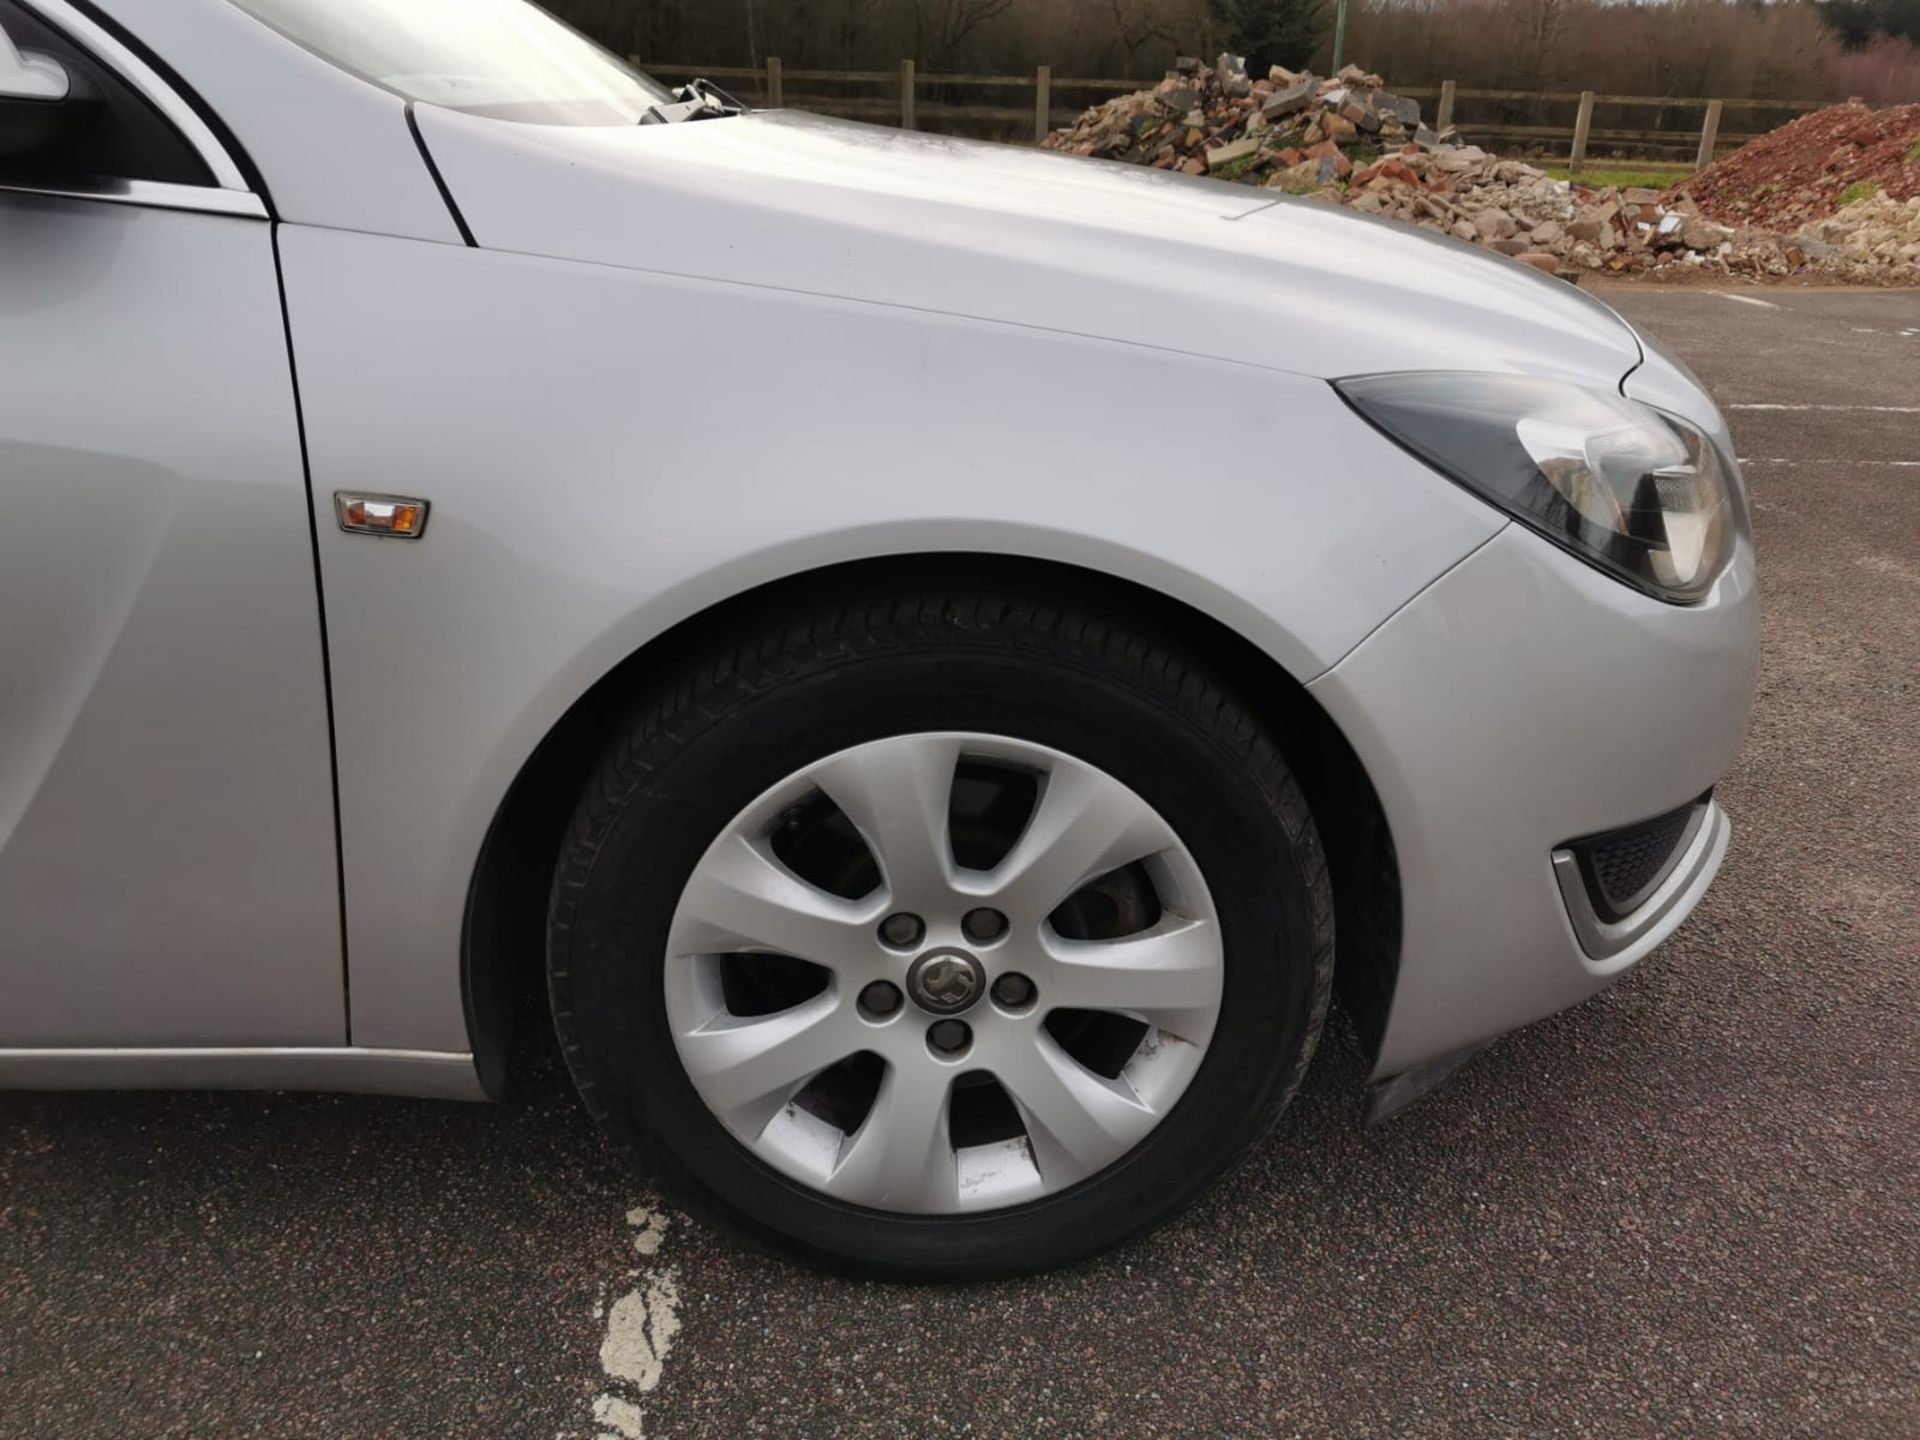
(1348,140)
(1811,168)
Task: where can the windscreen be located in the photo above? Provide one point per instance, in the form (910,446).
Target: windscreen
(503,58)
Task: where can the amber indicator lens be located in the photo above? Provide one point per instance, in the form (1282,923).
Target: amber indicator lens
(397,516)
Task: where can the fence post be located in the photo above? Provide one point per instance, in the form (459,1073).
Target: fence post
(776,86)
(1582,123)
(1042,103)
(1443,117)
(1709,133)
(906,94)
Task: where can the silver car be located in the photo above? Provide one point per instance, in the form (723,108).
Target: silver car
(942,659)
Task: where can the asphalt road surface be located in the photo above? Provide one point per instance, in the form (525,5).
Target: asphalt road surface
(1691,1207)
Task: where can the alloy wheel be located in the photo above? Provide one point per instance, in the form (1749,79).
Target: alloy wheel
(943,972)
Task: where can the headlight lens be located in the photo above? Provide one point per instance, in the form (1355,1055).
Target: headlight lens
(1634,490)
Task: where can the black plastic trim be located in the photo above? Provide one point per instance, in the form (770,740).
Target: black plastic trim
(420,143)
(326,649)
(1610,908)
(236,152)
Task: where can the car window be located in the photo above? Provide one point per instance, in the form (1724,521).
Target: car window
(502,58)
(122,138)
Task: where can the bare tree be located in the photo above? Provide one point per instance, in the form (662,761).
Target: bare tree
(1735,48)
(651,28)
(1540,22)
(856,25)
(942,27)
(1134,30)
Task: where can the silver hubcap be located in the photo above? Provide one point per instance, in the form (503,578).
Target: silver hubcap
(992,1071)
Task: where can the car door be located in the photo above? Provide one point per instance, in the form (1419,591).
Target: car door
(168,870)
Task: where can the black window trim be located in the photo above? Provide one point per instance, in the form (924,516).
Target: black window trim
(229,195)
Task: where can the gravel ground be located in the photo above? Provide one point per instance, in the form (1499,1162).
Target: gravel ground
(1688,1208)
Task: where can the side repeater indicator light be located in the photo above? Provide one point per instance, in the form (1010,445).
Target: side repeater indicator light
(398,517)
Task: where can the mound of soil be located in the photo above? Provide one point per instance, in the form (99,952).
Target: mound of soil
(1804,170)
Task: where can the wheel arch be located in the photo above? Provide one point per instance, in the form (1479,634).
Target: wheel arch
(503,931)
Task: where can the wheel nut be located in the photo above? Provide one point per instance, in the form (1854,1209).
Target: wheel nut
(949,1037)
(880,998)
(983,926)
(902,931)
(1013,990)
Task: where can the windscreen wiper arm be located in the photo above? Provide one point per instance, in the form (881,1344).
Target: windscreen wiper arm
(695,100)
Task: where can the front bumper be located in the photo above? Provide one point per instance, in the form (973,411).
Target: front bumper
(1522,700)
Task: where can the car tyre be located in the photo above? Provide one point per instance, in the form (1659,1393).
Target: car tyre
(1113,695)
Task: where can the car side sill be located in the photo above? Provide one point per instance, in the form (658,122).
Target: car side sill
(428,1074)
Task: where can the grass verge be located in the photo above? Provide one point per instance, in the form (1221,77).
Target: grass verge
(1599,176)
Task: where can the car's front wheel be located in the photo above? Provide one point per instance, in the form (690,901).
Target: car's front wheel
(941,934)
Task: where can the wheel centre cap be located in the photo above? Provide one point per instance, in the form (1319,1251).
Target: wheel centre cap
(946,982)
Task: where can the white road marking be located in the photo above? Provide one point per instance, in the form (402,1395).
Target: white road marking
(640,1331)
(1782,460)
(619,1417)
(1745,299)
(641,1327)
(1864,409)
(650,1228)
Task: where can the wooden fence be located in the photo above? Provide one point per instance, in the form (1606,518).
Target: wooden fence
(909,98)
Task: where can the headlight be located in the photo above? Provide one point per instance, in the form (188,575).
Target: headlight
(1634,490)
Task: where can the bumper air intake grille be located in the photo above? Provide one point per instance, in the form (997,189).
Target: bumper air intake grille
(1622,868)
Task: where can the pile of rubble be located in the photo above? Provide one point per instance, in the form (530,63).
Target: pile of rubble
(1807,170)
(1878,234)
(1350,141)
(1288,128)
(1843,184)
(1512,207)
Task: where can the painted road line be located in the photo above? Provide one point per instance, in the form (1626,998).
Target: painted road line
(1825,464)
(1745,299)
(641,1327)
(1854,409)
